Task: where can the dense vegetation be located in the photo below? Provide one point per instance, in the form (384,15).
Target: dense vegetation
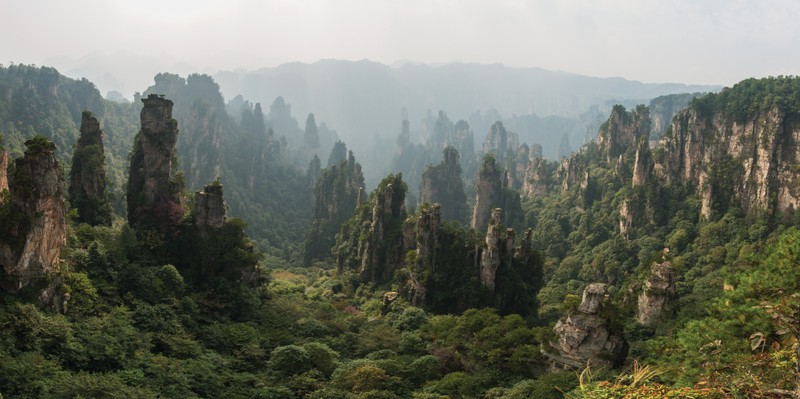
(203,313)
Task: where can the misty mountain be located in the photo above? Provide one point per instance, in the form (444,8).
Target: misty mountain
(364,99)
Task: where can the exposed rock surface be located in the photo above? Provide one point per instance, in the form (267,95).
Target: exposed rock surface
(489,193)
(749,162)
(643,165)
(199,146)
(537,176)
(622,130)
(584,338)
(3,170)
(499,142)
(153,196)
(442,184)
(372,244)
(664,108)
(424,237)
(87,189)
(33,232)
(492,255)
(655,300)
(336,196)
(209,207)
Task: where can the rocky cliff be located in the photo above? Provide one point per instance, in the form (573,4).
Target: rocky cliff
(489,192)
(153,194)
(584,337)
(372,243)
(3,169)
(33,225)
(536,179)
(657,298)
(336,194)
(199,145)
(738,153)
(209,207)
(443,184)
(87,177)
(664,108)
(622,130)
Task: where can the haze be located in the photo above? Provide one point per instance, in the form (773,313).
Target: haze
(121,44)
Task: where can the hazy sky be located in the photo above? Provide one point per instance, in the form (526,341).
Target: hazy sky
(710,42)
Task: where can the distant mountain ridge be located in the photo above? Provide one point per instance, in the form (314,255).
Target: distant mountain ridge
(364,98)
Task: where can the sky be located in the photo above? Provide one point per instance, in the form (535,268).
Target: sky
(120,41)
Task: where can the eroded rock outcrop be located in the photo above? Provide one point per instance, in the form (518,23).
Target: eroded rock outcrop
(422,234)
(87,189)
(199,146)
(658,294)
(489,193)
(499,142)
(622,130)
(209,207)
(33,231)
(738,148)
(372,244)
(496,250)
(643,164)
(336,196)
(537,176)
(153,195)
(584,337)
(442,184)
(3,170)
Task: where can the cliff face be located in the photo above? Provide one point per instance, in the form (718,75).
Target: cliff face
(655,302)
(33,230)
(496,251)
(336,196)
(87,189)
(423,235)
(584,338)
(442,184)
(372,243)
(209,207)
(622,130)
(643,164)
(3,170)
(199,146)
(499,142)
(746,160)
(153,196)
(537,177)
(664,108)
(489,193)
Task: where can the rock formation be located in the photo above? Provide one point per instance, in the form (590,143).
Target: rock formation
(87,189)
(655,300)
(199,145)
(537,176)
(442,184)
(33,231)
(489,192)
(372,244)
(643,165)
(336,195)
(499,142)
(3,170)
(622,130)
(747,159)
(664,108)
(423,236)
(209,207)
(491,257)
(153,195)
(584,338)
